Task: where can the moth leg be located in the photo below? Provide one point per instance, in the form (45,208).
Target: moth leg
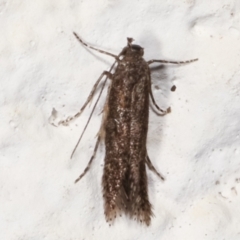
(174,62)
(96,49)
(90,161)
(163,112)
(109,74)
(152,168)
(69,119)
(90,116)
(168,110)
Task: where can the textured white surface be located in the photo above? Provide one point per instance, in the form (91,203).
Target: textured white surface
(196,147)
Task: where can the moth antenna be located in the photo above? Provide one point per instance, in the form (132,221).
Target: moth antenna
(96,49)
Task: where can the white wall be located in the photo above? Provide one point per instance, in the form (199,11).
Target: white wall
(196,147)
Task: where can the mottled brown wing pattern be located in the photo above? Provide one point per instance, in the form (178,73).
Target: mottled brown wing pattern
(124,178)
(117,139)
(140,206)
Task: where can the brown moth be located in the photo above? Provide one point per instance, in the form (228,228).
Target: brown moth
(124,130)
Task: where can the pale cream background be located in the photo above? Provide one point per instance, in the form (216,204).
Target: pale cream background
(196,147)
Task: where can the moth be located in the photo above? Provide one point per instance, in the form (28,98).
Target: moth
(124,130)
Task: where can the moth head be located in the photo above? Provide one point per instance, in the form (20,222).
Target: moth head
(132,50)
